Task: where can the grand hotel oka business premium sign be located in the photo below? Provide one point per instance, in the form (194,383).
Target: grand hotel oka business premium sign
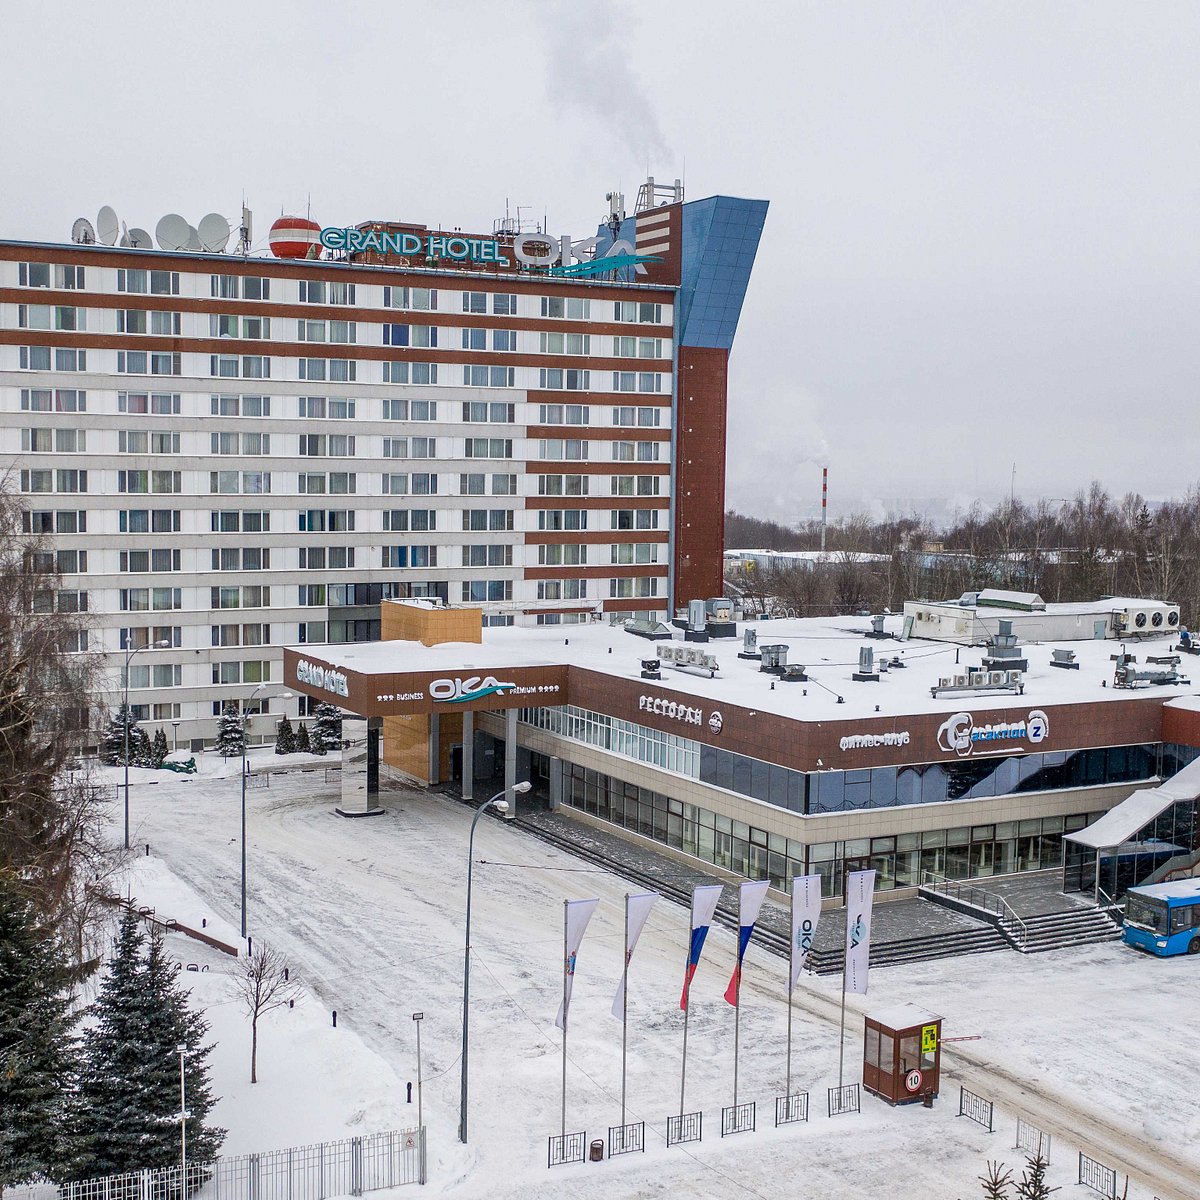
(555,256)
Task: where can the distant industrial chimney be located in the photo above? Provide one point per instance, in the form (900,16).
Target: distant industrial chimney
(824,504)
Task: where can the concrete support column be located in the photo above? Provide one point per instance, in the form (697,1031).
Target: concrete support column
(510,758)
(360,775)
(435,749)
(468,756)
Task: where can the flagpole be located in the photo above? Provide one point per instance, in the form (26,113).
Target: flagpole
(791,976)
(687,1010)
(624,1007)
(737,1021)
(566,965)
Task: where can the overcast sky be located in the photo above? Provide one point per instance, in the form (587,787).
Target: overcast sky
(981,248)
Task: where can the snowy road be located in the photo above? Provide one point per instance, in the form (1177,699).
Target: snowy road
(1080,1042)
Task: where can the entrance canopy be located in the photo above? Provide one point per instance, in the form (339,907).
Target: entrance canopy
(1122,823)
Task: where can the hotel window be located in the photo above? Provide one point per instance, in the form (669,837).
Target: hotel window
(556,379)
(488,448)
(37,481)
(312,291)
(423,484)
(422,336)
(561,519)
(480,520)
(38,275)
(39,441)
(645,418)
(562,589)
(474,339)
(34,316)
(483,590)
(635,451)
(475,302)
(472,485)
(504,340)
(416,299)
(64,360)
(339,370)
(638,518)
(402,520)
(562,485)
(487,556)
(251,287)
(627,553)
(623,589)
(572,308)
(497,377)
(631,485)
(640,311)
(395,485)
(566,343)
(327,331)
(343,483)
(341,293)
(504,304)
(635,347)
(504,485)
(560,556)
(479,412)
(571,449)
(38,400)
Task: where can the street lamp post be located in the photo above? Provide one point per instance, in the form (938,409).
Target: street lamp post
(130,651)
(174,736)
(501,805)
(245,722)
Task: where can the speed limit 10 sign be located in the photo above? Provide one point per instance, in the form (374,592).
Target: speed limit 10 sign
(912,1081)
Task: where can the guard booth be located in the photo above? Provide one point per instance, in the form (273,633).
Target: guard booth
(902,1054)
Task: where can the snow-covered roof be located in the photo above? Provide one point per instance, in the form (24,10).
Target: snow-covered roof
(903,1016)
(1119,824)
(1177,889)
(827,647)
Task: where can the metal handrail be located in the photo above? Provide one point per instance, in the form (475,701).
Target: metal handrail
(979,898)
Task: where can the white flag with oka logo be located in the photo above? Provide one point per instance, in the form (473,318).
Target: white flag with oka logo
(577,914)
(806,912)
(860,891)
(636,913)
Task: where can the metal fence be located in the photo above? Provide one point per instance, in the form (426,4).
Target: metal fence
(626,1139)
(258,779)
(790,1109)
(1097,1176)
(975,1107)
(685,1127)
(565,1148)
(737,1118)
(1032,1140)
(345,1168)
(844,1100)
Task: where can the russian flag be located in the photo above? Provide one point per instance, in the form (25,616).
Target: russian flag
(750,898)
(704,904)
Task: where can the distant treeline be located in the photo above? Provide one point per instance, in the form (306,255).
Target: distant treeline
(1091,546)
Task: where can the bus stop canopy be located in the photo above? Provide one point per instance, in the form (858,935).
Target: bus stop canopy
(1122,823)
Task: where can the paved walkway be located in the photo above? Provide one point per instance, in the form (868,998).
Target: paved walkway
(1034,893)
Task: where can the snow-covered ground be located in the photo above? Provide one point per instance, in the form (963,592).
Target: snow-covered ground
(1092,1045)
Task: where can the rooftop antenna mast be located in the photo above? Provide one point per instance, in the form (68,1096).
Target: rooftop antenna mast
(824,504)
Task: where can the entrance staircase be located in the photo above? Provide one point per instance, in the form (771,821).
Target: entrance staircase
(1030,934)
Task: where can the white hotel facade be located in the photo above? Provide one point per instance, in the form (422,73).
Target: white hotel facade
(231,454)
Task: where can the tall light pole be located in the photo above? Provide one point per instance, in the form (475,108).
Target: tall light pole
(245,722)
(183,1115)
(501,805)
(130,651)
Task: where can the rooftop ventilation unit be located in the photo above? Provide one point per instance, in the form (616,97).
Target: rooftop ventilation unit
(1004,653)
(978,680)
(650,668)
(1064,659)
(1145,620)
(654,631)
(749,645)
(877,630)
(866,672)
(1165,673)
(774,658)
(686,657)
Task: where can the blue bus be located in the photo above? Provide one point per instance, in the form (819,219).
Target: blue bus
(1164,918)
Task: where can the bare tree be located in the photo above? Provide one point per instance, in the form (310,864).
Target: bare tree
(50,809)
(264,983)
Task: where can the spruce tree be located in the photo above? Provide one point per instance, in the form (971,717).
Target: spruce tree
(128,1097)
(231,736)
(1033,1185)
(112,745)
(285,737)
(302,742)
(37,1046)
(141,753)
(158,749)
(327,726)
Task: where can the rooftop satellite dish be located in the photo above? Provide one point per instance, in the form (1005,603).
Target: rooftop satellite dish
(172,232)
(139,239)
(214,232)
(124,239)
(106,226)
(193,239)
(83,232)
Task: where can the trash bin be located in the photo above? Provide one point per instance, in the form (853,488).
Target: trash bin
(927,1099)
(597,1151)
